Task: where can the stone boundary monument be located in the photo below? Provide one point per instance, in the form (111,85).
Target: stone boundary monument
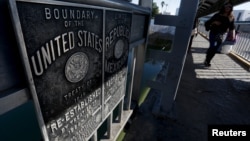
(75,58)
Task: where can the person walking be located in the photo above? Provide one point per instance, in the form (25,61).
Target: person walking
(218,25)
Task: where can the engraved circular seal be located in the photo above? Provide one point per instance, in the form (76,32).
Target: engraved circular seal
(119,47)
(76,67)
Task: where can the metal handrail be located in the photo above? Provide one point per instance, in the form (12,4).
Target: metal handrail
(242,47)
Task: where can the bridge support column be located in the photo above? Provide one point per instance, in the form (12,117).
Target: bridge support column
(176,57)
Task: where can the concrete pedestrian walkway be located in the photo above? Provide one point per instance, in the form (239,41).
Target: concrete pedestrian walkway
(219,94)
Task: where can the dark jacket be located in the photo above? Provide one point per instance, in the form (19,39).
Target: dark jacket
(225,24)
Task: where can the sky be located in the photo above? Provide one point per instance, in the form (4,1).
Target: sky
(173,4)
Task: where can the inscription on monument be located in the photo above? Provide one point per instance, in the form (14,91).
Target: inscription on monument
(118,26)
(70,48)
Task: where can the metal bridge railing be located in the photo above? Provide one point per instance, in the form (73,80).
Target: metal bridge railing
(241,49)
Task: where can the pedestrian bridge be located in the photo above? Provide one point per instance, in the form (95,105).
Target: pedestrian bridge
(206,96)
(241,48)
